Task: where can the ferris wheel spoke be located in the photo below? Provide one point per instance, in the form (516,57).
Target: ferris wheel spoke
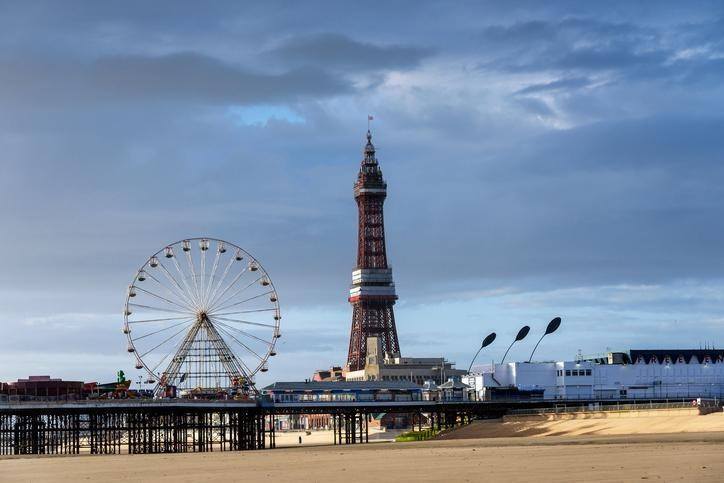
(162,298)
(184,321)
(155,368)
(183,280)
(211,277)
(172,279)
(212,295)
(229,362)
(220,304)
(160,309)
(251,311)
(243,369)
(162,343)
(247,372)
(246,300)
(172,290)
(143,321)
(242,344)
(190,262)
(173,351)
(252,336)
(233,281)
(146,321)
(248,322)
(203,273)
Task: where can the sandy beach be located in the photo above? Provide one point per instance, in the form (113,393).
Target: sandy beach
(666,456)
(603,423)
(689,457)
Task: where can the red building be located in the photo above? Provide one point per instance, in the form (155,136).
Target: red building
(43,387)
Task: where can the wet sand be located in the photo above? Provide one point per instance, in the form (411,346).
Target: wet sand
(667,457)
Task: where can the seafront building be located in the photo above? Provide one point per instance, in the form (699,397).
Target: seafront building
(42,387)
(343,391)
(381,366)
(637,374)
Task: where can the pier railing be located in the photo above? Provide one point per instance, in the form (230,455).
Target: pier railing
(633,406)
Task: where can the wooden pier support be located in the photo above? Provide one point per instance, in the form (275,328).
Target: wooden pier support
(116,430)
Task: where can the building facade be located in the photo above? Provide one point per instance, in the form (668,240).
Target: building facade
(341,392)
(43,387)
(639,374)
(380,366)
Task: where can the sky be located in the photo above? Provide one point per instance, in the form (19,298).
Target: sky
(543,159)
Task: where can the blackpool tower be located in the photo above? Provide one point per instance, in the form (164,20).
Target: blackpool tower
(373,292)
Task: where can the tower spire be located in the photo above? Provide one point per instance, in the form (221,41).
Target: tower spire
(372,294)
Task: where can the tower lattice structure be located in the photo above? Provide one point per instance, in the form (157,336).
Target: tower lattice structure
(372,294)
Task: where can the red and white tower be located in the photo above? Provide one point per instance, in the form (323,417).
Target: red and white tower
(373,292)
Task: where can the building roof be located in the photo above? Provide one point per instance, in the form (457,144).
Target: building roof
(453,385)
(341,386)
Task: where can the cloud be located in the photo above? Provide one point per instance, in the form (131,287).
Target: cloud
(186,77)
(565,83)
(339,52)
(536,106)
(556,153)
(578,45)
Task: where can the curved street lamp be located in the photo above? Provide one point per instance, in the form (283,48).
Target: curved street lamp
(486,342)
(521,335)
(552,327)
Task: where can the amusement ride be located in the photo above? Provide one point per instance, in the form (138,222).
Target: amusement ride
(202,318)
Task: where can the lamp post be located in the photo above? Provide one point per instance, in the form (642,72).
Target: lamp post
(521,335)
(552,327)
(486,342)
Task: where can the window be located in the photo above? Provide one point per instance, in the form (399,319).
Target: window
(568,372)
(588,372)
(575,372)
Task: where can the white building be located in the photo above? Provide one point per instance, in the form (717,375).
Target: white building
(646,374)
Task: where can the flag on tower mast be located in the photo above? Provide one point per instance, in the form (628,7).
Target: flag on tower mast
(369,118)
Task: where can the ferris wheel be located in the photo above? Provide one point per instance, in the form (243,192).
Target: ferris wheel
(202,314)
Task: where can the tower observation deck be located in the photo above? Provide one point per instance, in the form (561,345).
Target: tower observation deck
(372,294)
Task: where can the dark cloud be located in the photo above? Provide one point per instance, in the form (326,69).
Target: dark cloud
(183,77)
(592,205)
(338,51)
